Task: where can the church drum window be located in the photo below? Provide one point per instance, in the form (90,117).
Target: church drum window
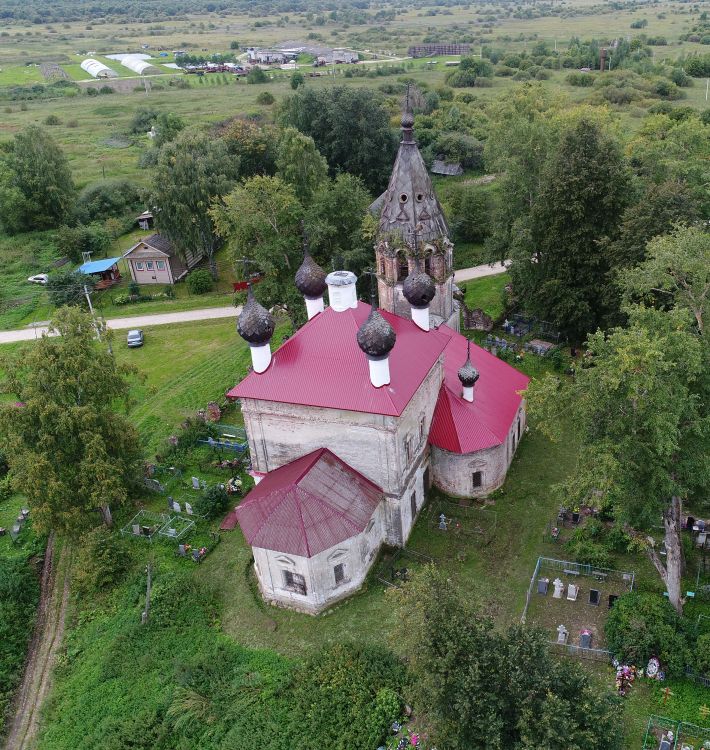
(413,505)
(339,572)
(477,479)
(402,268)
(295,582)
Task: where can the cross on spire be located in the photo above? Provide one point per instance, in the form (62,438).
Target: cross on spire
(306,239)
(373,285)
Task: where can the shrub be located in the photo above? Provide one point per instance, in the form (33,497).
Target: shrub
(642,625)
(199,282)
(102,561)
(143,119)
(579,79)
(257,75)
(72,123)
(265,98)
(169,291)
(67,288)
(91,91)
(702,655)
(109,198)
(52,120)
(134,288)
(108,90)
(213,502)
(73,241)
(297,80)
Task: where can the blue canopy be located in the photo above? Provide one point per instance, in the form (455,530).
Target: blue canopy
(97,266)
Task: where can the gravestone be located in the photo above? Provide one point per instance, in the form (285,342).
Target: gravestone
(559,588)
(562,634)
(170,502)
(177,508)
(136,529)
(442,522)
(665,745)
(188,509)
(594,597)
(181,550)
(572,592)
(612,599)
(542,584)
(195,483)
(585,639)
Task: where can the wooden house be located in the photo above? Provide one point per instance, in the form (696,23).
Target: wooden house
(153,260)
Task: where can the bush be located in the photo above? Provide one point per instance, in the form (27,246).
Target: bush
(91,238)
(199,282)
(297,80)
(265,98)
(213,502)
(102,561)
(109,198)
(91,91)
(579,79)
(52,120)
(134,288)
(109,90)
(257,75)
(643,625)
(67,288)
(143,120)
(702,655)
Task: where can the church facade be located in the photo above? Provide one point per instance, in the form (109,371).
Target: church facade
(367,406)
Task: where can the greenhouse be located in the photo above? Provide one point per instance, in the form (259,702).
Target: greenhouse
(98,69)
(138,65)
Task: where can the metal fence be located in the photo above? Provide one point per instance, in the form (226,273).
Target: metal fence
(593,654)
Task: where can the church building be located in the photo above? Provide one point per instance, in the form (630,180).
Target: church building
(352,419)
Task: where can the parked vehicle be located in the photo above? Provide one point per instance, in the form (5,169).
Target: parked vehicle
(40,278)
(135,338)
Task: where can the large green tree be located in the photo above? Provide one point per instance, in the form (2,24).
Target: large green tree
(299,163)
(71,454)
(561,266)
(640,412)
(36,187)
(350,127)
(476,688)
(193,171)
(260,220)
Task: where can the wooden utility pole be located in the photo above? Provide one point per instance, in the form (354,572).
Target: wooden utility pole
(146,611)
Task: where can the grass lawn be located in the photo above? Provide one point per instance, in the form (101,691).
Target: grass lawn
(486,293)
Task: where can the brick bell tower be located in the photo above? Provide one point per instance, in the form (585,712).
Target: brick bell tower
(413,232)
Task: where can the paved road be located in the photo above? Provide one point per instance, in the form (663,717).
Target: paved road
(159,319)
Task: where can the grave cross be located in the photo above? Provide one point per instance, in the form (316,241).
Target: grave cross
(667,691)
(704,712)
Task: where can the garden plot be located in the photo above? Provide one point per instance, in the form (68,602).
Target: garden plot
(576,597)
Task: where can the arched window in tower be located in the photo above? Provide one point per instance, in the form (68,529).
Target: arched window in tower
(427,263)
(402,267)
(382,266)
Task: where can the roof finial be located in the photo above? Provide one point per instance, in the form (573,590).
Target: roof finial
(407,120)
(306,239)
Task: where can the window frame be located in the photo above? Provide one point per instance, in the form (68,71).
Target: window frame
(294,582)
(159,265)
(477,478)
(139,265)
(149,265)
(339,568)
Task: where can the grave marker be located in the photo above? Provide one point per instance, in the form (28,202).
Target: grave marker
(559,588)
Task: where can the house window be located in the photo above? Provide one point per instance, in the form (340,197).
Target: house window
(477,479)
(149,265)
(139,265)
(294,582)
(339,572)
(160,265)
(413,505)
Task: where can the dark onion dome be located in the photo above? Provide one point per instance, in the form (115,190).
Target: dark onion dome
(255,324)
(407,120)
(310,278)
(418,288)
(468,374)
(376,336)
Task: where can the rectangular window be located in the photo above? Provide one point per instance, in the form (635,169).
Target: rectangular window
(407,450)
(339,572)
(413,505)
(294,582)
(139,265)
(477,479)
(421,430)
(160,265)
(149,265)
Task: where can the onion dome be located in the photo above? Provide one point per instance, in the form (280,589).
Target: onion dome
(256,324)
(376,336)
(418,288)
(468,374)
(310,278)
(407,120)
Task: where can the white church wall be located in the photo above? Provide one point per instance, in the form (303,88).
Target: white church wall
(356,555)
(453,473)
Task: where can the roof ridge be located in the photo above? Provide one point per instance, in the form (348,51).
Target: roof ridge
(324,502)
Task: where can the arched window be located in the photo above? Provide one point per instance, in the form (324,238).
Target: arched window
(402,267)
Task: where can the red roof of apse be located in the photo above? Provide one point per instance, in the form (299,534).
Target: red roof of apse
(309,505)
(322,365)
(463,427)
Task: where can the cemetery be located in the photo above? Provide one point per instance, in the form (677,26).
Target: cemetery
(571,602)
(666,734)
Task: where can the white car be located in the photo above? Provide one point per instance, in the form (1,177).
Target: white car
(40,278)
(135,338)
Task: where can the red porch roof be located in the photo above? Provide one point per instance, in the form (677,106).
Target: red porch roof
(308,506)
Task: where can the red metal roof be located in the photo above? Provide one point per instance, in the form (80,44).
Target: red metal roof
(322,365)
(463,427)
(309,505)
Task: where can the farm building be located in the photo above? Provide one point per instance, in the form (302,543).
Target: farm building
(444,168)
(98,69)
(354,417)
(105,272)
(137,62)
(145,220)
(266,56)
(425,50)
(154,260)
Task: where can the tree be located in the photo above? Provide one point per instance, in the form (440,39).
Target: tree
(167,127)
(66,287)
(640,412)
(676,272)
(117,198)
(476,688)
(336,219)
(253,144)
(561,266)
(193,171)
(469,69)
(300,164)
(350,128)
(260,220)
(39,179)
(257,75)
(297,79)
(70,452)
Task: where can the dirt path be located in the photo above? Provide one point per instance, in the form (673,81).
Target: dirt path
(45,644)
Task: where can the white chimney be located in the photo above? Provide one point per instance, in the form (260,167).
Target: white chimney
(342,291)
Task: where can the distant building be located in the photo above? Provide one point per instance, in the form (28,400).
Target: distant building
(145,220)
(444,168)
(153,260)
(266,56)
(425,50)
(105,271)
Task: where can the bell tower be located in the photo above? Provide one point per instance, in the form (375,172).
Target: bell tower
(413,232)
